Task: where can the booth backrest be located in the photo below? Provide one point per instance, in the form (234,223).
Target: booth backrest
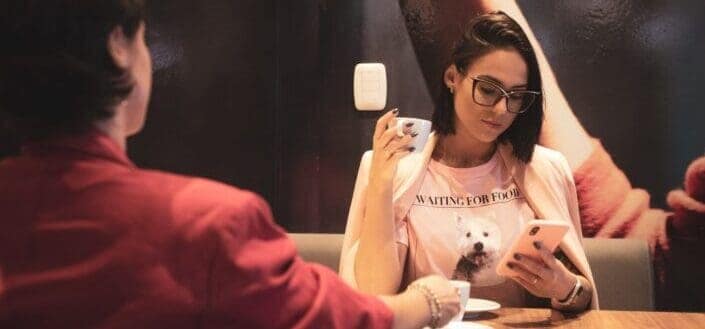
(623,273)
(319,248)
(622,267)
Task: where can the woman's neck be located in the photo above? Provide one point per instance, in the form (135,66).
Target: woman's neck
(463,151)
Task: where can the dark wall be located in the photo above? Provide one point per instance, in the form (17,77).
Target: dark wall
(214,94)
(322,136)
(259,94)
(317,130)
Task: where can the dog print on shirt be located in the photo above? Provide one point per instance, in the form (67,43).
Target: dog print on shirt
(479,241)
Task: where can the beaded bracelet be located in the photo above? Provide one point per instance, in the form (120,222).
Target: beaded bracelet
(433,303)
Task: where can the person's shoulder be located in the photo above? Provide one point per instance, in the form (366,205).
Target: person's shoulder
(189,196)
(543,153)
(202,192)
(206,191)
(546,159)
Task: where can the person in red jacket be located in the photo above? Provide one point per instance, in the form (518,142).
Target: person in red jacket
(88,240)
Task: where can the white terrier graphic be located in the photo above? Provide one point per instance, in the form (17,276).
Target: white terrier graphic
(479,242)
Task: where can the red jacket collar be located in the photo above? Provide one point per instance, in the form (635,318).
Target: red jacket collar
(92,143)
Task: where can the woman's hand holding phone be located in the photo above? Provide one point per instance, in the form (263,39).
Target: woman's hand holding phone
(531,263)
(543,277)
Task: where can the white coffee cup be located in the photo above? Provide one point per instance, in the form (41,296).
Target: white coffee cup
(464,290)
(421,127)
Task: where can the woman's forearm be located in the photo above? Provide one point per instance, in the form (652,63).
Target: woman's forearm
(407,310)
(377,266)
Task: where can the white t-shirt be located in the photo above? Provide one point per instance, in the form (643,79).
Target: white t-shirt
(461,223)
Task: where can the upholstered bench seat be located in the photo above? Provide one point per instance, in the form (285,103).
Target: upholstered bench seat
(622,267)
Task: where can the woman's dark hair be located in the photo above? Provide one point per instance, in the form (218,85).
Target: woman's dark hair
(56,74)
(484,34)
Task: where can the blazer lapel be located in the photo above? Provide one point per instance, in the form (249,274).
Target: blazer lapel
(410,174)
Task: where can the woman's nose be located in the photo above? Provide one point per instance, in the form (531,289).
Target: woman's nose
(501,106)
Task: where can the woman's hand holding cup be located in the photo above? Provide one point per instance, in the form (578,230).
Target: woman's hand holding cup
(388,148)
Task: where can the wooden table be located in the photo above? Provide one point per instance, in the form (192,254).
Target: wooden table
(546,318)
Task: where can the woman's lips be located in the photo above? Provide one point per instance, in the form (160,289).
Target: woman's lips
(492,124)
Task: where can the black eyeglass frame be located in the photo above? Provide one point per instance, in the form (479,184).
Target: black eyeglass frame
(505,94)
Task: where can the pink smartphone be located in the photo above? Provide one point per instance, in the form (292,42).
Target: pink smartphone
(549,232)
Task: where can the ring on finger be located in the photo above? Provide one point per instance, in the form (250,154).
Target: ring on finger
(535,280)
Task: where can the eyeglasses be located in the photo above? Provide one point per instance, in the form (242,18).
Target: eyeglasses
(488,93)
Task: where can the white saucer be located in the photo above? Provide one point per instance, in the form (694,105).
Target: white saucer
(465,325)
(476,305)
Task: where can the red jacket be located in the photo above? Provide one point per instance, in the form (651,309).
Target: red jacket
(88,240)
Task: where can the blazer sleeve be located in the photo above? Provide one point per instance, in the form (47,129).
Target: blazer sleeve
(571,196)
(255,279)
(577,252)
(354,224)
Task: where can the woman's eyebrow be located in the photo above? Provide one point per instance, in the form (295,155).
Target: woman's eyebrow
(495,80)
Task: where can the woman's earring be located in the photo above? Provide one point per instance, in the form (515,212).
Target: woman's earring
(450,88)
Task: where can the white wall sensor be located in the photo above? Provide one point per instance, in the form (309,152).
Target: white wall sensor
(370,86)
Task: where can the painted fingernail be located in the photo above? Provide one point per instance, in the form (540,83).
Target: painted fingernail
(517,256)
(537,245)
(510,265)
(412,149)
(395,111)
(409,124)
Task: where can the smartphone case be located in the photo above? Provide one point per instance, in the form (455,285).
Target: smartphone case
(549,232)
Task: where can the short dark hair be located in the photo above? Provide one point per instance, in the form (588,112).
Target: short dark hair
(56,74)
(485,33)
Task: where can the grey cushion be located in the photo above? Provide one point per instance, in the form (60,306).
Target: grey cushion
(319,248)
(623,273)
(622,267)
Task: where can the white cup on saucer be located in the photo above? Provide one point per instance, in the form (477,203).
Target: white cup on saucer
(464,290)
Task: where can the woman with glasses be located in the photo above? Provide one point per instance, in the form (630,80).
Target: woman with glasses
(455,207)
